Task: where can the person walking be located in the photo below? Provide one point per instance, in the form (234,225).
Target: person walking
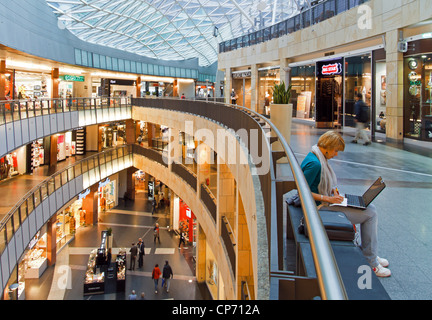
(156,233)
(361,119)
(133,250)
(141,252)
(156,273)
(133,295)
(182,239)
(153,206)
(167,275)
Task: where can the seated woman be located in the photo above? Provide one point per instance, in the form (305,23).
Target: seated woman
(323,184)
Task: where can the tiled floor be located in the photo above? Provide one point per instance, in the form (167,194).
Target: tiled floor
(129,222)
(405,224)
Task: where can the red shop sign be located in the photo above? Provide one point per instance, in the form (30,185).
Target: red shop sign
(329,69)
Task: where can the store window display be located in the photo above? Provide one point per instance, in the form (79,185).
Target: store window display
(358,79)
(106,195)
(112,135)
(380,97)
(267,78)
(418,97)
(303,91)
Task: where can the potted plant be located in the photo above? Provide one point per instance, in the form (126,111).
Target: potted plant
(280,94)
(281,112)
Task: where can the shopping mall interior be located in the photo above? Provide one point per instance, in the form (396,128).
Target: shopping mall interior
(146,136)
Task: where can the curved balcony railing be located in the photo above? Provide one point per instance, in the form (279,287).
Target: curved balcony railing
(318,12)
(240,118)
(13,110)
(23,121)
(63,185)
(90,170)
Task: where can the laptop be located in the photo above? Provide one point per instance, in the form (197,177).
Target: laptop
(363,201)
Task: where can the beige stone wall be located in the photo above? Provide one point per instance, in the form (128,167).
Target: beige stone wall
(344,33)
(236,181)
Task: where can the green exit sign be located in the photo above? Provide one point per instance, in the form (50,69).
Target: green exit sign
(68,77)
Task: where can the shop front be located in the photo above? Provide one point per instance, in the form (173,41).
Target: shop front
(204,90)
(184,221)
(117,88)
(112,135)
(241,84)
(267,78)
(13,163)
(29,85)
(213,277)
(329,92)
(303,91)
(107,195)
(68,221)
(418,91)
(326,89)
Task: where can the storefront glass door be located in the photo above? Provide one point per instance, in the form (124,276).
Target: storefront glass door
(329,92)
(358,79)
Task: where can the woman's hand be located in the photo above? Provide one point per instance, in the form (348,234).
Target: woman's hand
(334,199)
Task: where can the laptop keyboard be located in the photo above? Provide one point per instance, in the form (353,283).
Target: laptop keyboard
(354,200)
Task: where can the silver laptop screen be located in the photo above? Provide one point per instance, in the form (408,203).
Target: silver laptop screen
(373,191)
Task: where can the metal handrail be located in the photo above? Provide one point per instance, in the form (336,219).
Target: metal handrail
(274,31)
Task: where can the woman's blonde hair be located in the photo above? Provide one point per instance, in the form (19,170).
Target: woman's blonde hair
(331,140)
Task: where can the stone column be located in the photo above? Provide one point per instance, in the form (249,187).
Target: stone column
(130,131)
(254,88)
(244,253)
(53,150)
(394,109)
(138,87)
(285,71)
(55,83)
(90,205)
(228,85)
(2,79)
(130,183)
(201,256)
(52,240)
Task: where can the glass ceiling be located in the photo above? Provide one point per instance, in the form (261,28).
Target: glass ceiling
(169,29)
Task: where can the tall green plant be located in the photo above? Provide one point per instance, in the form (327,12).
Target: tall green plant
(280,94)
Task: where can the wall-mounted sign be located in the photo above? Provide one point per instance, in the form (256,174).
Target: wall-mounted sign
(84,194)
(68,77)
(104,183)
(330,68)
(241,74)
(122,82)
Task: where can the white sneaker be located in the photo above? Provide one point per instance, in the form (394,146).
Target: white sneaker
(383,262)
(380,271)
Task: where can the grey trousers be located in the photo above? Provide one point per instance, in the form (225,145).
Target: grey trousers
(368,220)
(361,132)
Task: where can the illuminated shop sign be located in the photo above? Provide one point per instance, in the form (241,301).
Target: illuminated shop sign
(84,194)
(330,69)
(68,77)
(104,183)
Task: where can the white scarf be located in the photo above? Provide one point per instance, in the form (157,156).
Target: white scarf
(328,179)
